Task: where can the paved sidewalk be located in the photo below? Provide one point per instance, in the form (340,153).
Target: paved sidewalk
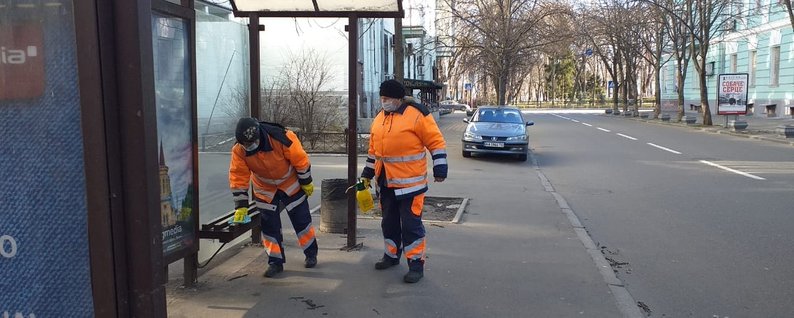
(515,254)
(759,127)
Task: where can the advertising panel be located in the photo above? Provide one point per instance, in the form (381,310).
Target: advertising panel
(732,94)
(175,134)
(44,252)
(21,64)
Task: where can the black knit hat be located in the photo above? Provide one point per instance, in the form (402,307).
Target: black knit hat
(247,130)
(392,88)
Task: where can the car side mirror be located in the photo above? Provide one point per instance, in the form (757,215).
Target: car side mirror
(465,120)
(530,123)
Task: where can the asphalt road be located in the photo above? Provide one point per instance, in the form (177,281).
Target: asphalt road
(703,221)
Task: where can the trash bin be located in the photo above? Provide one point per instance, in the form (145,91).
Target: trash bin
(333,206)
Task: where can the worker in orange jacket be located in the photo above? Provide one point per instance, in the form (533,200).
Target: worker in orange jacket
(400,136)
(271,159)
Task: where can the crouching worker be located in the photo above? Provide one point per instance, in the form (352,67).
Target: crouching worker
(272,159)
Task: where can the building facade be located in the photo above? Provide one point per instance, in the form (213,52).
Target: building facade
(756,39)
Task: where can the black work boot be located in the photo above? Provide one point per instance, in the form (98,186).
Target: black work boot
(274,269)
(311,261)
(386,262)
(415,271)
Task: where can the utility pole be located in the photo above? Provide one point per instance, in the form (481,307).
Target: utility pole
(399,50)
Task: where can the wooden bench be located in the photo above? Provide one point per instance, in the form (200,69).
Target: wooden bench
(698,108)
(771,110)
(220,229)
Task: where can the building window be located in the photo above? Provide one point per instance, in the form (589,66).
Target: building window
(751,68)
(774,67)
(734,58)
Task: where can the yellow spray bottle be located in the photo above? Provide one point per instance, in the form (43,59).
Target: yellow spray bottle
(364,197)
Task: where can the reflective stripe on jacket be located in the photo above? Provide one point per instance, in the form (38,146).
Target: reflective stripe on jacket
(398,145)
(269,169)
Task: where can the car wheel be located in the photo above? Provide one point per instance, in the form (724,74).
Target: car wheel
(466,154)
(522,157)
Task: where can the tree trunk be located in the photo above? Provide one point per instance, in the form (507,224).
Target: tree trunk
(704,100)
(501,88)
(787,3)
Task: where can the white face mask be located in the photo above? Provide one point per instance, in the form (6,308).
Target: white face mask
(252,147)
(390,106)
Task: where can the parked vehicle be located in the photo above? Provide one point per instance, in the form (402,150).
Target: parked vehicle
(497,130)
(453,105)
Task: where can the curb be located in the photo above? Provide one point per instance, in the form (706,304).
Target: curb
(455,220)
(624,301)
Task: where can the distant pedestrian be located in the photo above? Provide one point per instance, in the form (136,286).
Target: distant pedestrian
(271,158)
(400,136)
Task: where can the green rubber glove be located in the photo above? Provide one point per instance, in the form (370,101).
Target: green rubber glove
(365,181)
(308,188)
(240,214)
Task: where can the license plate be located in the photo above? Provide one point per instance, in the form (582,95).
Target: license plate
(494,144)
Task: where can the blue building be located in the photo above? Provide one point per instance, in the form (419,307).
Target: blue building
(757,39)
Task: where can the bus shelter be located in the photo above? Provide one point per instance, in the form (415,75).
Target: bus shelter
(114,110)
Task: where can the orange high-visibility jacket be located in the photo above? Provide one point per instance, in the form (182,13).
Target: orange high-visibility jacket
(397,148)
(280,163)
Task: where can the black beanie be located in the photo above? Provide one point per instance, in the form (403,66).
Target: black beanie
(392,88)
(247,130)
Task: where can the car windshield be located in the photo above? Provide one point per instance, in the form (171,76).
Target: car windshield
(498,115)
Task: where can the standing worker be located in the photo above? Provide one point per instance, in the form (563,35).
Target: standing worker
(272,159)
(397,160)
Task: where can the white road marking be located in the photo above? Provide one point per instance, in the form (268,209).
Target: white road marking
(586,124)
(574,120)
(732,170)
(625,136)
(664,148)
(605,130)
(563,117)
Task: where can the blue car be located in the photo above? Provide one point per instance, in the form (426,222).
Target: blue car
(496,130)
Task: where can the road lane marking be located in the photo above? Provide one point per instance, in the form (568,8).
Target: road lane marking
(605,130)
(628,137)
(732,170)
(665,149)
(563,117)
(586,124)
(574,120)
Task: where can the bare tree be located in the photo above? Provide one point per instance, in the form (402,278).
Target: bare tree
(504,34)
(303,94)
(704,21)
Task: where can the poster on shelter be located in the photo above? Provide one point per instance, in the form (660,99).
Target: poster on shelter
(173,98)
(732,94)
(21,60)
(45,268)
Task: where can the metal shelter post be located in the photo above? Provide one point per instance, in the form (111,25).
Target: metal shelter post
(352,130)
(253,42)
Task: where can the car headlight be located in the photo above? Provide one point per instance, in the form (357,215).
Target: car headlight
(517,138)
(469,136)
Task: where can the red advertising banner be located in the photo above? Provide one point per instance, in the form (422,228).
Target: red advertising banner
(21,61)
(732,94)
